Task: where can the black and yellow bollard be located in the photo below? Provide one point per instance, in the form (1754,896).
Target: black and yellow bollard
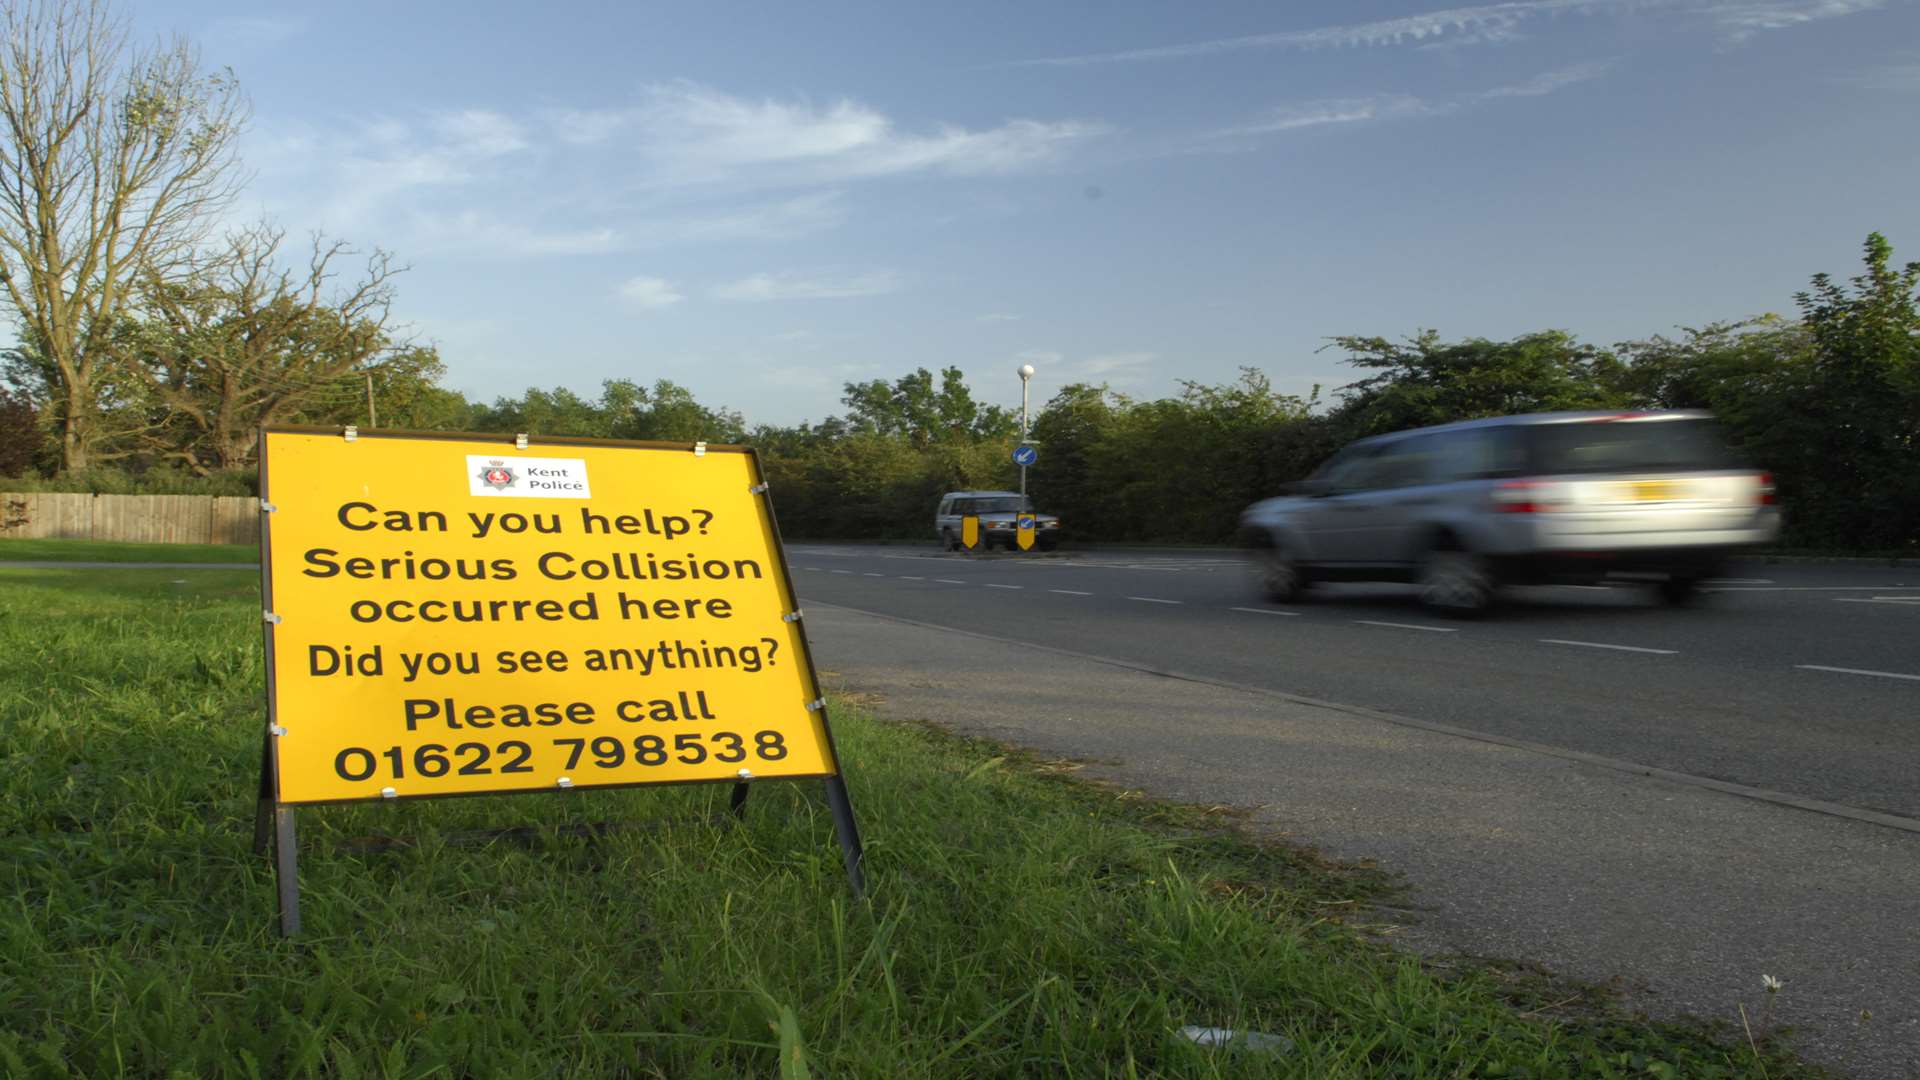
(970,536)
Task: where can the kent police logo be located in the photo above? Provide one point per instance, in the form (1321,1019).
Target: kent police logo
(497,476)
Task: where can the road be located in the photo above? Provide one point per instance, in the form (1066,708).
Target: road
(1669,802)
(1800,679)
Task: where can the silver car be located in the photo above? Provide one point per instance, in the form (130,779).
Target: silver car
(999,513)
(1461,509)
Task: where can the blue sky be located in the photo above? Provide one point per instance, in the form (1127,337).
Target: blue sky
(762,202)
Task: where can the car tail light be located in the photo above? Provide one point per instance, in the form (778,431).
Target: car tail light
(1519,497)
(1764,496)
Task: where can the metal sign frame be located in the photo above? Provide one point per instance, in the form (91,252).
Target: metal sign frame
(274,823)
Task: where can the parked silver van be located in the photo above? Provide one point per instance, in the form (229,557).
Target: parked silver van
(1461,509)
(998,512)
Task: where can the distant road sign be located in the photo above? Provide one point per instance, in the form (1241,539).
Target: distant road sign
(1025,455)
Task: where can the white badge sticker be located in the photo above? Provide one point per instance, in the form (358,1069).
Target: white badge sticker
(528,477)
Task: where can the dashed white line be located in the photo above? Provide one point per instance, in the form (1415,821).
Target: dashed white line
(1805,588)
(992,585)
(843,571)
(1910,600)
(948,581)
(1154,600)
(1410,626)
(1069,592)
(872,574)
(1603,645)
(814,568)
(1262,611)
(911,577)
(1858,671)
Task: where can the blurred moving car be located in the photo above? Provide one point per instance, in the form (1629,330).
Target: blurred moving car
(997,511)
(1460,509)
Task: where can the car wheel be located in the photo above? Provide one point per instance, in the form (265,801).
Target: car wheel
(1680,590)
(1456,583)
(1281,577)
(948,540)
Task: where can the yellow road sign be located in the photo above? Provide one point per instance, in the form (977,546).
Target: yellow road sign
(452,615)
(1023,531)
(970,532)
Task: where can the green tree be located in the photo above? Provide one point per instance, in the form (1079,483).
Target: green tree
(242,341)
(20,434)
(113,163)
(1865,389)
(915,408)
(1427,381)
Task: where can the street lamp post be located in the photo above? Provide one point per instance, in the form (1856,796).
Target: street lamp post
(1026,376)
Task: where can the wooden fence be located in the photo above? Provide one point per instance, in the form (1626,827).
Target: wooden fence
(142,519)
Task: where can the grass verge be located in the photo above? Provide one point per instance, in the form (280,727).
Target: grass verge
(114,551)
(1021,923)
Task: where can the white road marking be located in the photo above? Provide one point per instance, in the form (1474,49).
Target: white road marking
(911,577)
(1410,626)
(872,574)
(1807,588)
(1155,600)
(843,571)
(1740,581)
(1602,645)
(992,585)
(948,581)
(1907,600)
(1858,671)
(815,568)
(1070,592)
(1262,611)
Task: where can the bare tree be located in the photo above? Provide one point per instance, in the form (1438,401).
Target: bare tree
(114,162)
(243,341)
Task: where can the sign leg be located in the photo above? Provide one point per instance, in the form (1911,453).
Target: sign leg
(737,803)
(286,870)
(848,833)
(263,810)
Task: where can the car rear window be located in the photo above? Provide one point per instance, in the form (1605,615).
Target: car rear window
(1011,504)
(1617,446)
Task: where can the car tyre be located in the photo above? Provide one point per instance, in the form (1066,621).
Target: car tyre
(1680,590)
(948,540)
(1456,583)
(1282,579)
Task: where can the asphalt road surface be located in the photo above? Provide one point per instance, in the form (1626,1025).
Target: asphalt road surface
(1670,802)
(1802,679)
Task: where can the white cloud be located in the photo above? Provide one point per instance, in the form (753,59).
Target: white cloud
(473,232)
(783,219)
(789,286)
(1495,23)
(1742,19)
(1334,111)
(1397,106)
(1491,22)
(1117,367)
(688,133)
(1548,81)
(650,293)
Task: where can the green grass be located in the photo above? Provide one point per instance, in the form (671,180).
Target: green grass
(1022,923)
(113,551)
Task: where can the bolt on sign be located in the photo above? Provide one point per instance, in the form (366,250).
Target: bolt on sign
(470,614)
